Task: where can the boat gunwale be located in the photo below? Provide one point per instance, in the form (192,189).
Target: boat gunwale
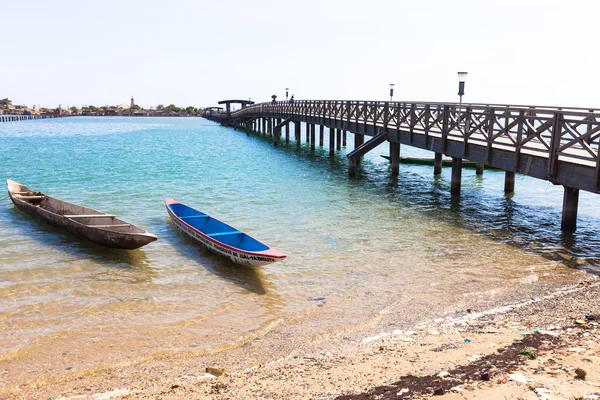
(270,252)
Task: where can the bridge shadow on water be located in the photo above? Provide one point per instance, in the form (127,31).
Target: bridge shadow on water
(532,227)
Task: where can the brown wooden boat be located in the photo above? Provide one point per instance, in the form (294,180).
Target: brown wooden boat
(104,229)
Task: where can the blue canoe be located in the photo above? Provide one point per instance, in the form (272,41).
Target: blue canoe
(221,238)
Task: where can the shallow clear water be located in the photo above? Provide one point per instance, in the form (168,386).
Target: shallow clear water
(356,247)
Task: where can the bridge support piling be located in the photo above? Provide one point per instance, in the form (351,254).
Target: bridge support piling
(312,136)
(307,132)
(321,129)
(509,181)
(479,168)
(287,133)
(331,141)
(437,164)
(456,175)
(297,132)
(569,211)
(276,134)
(395,158)
(358,141)
(352,166)
(339,139)
(344,138)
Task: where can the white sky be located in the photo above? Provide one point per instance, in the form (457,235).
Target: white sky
(197,52)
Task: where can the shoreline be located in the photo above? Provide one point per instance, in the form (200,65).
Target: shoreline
(377,367)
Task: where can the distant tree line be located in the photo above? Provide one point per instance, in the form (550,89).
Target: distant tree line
(174,108)
(171,108)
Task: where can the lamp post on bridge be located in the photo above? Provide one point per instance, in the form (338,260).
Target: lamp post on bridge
(286,93)
(462,76)
(392,91)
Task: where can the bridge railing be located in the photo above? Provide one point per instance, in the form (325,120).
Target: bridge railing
(558,133)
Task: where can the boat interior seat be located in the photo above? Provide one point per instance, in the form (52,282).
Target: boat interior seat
(223,233)
(194,216)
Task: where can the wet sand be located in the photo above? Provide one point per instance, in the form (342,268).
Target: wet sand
(529,350)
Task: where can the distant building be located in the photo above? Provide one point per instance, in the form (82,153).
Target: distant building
(113,111)
(29,111)
(86,111)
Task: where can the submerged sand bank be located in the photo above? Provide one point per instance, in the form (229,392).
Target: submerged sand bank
(528,350)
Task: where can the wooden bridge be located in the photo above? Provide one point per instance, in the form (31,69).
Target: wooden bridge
(558,144)
(21,117)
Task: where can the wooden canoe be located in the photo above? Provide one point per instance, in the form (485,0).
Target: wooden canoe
(446,162)
(221,238)
(103,229)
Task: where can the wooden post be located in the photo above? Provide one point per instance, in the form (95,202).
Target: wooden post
(479,168)
(276,134)
(312,136)
(331,141)
(321,129)
(344,138)
(569,211)
(437,164)
(307,132)
(339,139)
(287,132)
(395,158)
(297,132)
(352,166)
(456,175)
(358,141)
(509,181)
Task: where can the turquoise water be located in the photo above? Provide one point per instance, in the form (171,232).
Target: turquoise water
(356,246)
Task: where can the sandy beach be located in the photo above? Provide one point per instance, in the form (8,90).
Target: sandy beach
(542,348)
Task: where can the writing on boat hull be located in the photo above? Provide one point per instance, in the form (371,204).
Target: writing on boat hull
(234,256)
